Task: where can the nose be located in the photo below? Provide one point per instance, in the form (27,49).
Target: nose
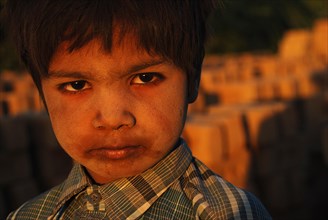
(114,112)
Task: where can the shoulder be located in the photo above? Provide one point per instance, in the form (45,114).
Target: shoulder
(215,198)
(40,207)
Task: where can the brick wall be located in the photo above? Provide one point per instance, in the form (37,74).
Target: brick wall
(31,160)
(261,122)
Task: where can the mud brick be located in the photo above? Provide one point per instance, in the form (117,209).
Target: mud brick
(319,39)
(223,109)
(237,93)
(212,61)
(231,68)
(285,88)
(210,79)
(221,76)
(235,164)
(4,107)
(15,103)
(36,102)
(262,125)
(207,82)
(247,58)
(294,154)
(53,166)
(298,186)
(226,130)
(295,44)
(199,106)
(277,193)
(301,67)
(268,161)
(284,68)
(295,67)
(23,87)
(247,71)
(40,131)
(51,162)
(233,133)
(314,114)
(237,169)
(230,122)
(21,191)
(29,92)
(14,166)
(267,67)
(7,76)
(259,120)
(239,109)
(19,93)
(288,120)
(266,89)
(13,134)
(205,141)
(305,86)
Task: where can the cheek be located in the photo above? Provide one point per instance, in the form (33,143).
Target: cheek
(67,121)
(168,114)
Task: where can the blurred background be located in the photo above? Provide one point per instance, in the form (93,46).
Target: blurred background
(260,120)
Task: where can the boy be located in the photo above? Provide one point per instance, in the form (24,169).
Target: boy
(116,78)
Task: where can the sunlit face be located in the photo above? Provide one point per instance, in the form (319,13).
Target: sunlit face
(115,113)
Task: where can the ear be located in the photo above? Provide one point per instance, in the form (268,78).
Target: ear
(193,91)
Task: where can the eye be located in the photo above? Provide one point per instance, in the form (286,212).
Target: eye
(146,78)
(75,86)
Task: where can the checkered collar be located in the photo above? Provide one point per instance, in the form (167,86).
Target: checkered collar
(128,198)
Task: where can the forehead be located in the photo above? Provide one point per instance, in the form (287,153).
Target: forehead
(126,48)
(93,60)
(125,42)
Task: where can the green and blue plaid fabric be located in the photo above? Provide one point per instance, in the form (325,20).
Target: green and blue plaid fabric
(178,187)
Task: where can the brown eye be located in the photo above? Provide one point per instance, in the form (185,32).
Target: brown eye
(75,86)
(146,78)
(78,85)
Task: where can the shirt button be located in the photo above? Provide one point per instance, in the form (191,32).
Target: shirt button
(94,198)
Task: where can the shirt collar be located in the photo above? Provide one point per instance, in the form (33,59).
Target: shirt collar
(76,182)
(131,197)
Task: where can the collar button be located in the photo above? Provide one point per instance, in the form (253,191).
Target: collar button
(94,198)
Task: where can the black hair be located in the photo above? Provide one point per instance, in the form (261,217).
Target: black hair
(174,29)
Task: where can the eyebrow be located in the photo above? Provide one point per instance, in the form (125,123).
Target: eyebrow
(87,75)
(64,74)
(136,68)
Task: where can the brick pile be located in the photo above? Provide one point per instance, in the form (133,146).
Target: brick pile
(18,94)
(31,160)
(261,122)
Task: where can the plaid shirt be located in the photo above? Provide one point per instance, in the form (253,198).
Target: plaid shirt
(178,187)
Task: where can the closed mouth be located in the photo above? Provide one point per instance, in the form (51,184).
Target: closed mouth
(114,152)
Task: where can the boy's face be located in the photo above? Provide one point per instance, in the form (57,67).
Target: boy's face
(116,113)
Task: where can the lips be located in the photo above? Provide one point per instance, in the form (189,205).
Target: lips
(115,152)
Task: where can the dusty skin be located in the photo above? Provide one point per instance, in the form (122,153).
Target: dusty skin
(116,113)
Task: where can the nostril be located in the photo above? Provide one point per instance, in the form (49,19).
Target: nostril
(123,126)
(115,122)
(98,123)
(100,127)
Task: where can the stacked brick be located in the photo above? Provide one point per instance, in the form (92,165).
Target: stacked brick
(261,122)
(31,160)
(18,94)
